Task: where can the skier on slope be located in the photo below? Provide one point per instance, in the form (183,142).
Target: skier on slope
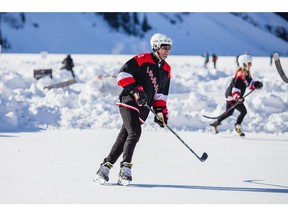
(241,80)
(145,80)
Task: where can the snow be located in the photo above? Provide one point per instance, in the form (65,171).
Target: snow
(194,91)
(194,33)
(52,141)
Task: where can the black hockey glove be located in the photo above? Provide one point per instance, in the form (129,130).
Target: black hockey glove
(258,85)
(161,116)
(139,96)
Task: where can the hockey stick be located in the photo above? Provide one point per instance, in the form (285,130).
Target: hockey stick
(279,67)
(204,155)
(232,107)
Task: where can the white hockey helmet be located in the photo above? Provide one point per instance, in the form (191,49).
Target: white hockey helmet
(243,60)
(157,40)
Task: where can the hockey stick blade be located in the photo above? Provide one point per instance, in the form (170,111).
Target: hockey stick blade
(279,68)
(210,117)
(204,157)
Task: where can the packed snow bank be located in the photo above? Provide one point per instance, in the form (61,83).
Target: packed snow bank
(90,103)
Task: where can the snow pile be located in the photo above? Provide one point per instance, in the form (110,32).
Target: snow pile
(90,103)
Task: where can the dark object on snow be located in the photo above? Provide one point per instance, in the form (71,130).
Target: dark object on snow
(68,64)
(61,85)
(38,74)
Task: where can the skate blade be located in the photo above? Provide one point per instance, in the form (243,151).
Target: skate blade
(212,130)
(238,135)
(123,182)
(99,180)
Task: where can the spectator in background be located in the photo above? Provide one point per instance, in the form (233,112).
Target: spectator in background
(237,60)
(271,59)
(206,56)
(68,64)
(214,60)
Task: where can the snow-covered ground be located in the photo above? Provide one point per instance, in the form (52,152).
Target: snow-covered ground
(58,166)
(90,104)
(52,142)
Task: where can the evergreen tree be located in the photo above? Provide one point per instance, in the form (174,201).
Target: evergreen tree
(3,41)
(145,25)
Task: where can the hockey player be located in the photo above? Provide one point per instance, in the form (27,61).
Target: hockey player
(145,80)
(242,79)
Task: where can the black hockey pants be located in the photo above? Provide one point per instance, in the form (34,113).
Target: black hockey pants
(240,107)
(127,138)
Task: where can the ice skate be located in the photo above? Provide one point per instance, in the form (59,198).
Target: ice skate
(238,131)
(213,128)
(125,175)
(102,175)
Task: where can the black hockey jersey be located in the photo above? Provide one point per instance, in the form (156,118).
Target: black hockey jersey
(144,70)
(242,79)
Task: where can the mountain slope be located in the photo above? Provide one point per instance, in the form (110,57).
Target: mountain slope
(193,33)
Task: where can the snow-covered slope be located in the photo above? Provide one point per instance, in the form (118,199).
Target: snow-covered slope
(193,34)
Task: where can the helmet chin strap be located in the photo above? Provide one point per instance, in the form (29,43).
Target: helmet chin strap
(158,55)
